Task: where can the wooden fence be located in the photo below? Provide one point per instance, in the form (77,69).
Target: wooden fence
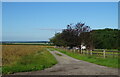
(98,53)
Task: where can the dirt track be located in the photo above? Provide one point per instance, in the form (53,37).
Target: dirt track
(70,66)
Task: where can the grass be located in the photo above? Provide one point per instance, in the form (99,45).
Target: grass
(24,58)
(109,62)
(58,54)
(107,49)
(0,70)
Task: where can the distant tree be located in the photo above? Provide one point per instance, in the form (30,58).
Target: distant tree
(118,40)
(86,39)
(72,36)
(75,35)
(106,38)
(57,40)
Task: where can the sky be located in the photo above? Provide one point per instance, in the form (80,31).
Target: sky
(60,0)
(35,21)
(0,21)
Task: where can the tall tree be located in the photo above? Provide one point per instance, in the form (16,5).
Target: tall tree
(72,36)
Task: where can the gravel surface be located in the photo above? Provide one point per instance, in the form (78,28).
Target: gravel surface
(70,66)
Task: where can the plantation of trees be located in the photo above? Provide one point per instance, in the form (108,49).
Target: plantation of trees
(80,34)
(106,38)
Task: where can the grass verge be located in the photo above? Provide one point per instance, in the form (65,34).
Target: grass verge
(109,62)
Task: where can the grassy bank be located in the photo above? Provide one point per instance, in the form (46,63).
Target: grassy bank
(23,58)
(110,62)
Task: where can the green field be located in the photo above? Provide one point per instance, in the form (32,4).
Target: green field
(109,62)
(23,58)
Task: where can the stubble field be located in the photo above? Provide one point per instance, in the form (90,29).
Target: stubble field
(20,58)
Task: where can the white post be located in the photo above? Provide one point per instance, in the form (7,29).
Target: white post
(104,53)
(91,52)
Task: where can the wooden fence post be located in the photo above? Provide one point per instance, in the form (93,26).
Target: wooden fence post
(81,51)
(78,50)
(87,51)
(104,53)
(113,54)
(74,50)
(91,52)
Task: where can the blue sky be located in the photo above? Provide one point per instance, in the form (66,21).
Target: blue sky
(60,0)
(23,21)
(0,21)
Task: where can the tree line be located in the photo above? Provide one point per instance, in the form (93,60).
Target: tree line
(79,34)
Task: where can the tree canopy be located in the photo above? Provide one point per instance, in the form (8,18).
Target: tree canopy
(72,35)
(80,34)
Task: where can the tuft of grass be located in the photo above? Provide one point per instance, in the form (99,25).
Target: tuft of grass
(109,62)
(26,58)
(58,54)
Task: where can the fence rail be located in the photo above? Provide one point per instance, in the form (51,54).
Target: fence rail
(99,53)
(96,52)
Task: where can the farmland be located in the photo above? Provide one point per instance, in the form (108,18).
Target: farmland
(20,58)
(30,58)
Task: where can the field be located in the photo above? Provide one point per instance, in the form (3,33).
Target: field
(24,58)
(42,44)
(108,61)
(20,58)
